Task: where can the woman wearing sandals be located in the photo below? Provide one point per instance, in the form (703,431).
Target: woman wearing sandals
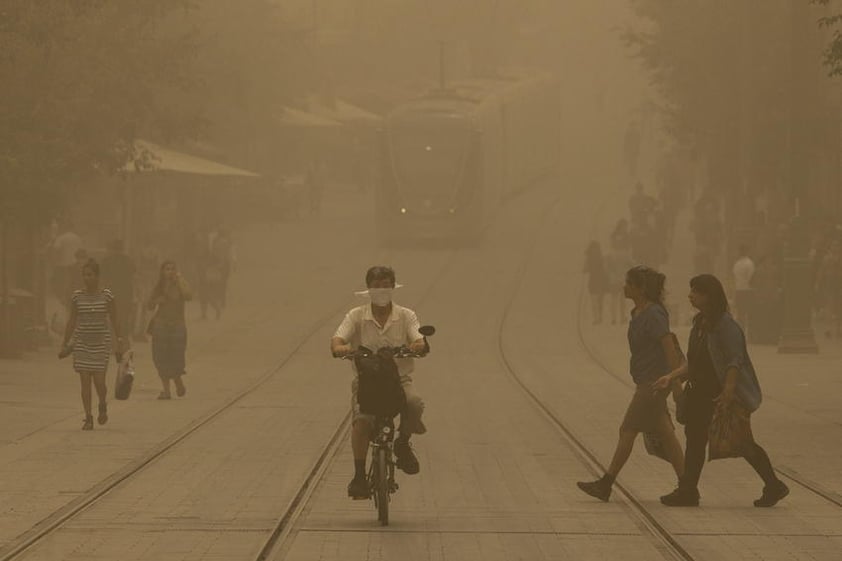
(168,328)
(721,380)
(92,318)
(653,355)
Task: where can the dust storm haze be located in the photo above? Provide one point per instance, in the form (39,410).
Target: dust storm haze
(205,205)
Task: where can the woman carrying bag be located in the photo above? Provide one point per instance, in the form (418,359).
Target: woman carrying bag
(722,393)
(88,338)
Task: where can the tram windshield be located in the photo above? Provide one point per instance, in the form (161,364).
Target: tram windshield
(430,160)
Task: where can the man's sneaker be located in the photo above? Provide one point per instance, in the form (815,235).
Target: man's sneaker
(600,489)
(772,494)
(681,497)
(358,488)
(406,460)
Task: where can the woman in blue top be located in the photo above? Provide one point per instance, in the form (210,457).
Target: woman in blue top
(653,355)
(719,374)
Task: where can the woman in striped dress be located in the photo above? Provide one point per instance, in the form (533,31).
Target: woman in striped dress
(168,328)
(92,318)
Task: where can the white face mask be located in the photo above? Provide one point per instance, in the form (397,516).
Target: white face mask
(380,296)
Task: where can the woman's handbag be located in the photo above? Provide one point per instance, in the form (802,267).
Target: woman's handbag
(729,434)
(125,376)
(654,445)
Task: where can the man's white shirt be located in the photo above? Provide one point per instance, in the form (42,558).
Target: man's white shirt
(66,245)
(359,328)
(743,271)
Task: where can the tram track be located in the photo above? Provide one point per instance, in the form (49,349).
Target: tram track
(59,518)
(67,513)
(281,527)
(277,544)
(667,543)
(787,473)
(663,540)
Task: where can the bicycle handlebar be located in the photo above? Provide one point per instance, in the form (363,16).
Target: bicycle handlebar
(393,352)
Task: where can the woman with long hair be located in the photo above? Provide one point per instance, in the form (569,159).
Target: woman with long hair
(168,328)
(721,379)
(87,336)
(653,354)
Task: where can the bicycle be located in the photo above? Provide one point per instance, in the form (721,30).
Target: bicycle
(381,472)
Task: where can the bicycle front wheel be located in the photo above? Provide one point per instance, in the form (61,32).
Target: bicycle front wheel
(382,487)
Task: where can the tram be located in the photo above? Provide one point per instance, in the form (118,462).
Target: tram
(448,158)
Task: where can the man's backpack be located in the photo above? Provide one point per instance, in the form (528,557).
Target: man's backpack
(379,392)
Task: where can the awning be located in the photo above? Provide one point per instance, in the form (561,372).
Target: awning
(291,117)
(165,159)
(343,112)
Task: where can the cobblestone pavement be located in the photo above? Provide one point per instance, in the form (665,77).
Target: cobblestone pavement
(497,479)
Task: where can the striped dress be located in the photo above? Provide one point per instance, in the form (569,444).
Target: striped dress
(92,337)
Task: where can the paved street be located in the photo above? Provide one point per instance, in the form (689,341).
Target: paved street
(497,478)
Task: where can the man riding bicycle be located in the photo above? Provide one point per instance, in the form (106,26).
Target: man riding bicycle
(377,325)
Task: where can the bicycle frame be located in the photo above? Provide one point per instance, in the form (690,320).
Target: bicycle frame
(381,473)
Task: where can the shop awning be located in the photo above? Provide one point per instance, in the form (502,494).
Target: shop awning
(291,117)
(343,112)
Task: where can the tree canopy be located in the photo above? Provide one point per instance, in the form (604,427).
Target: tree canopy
(83,79)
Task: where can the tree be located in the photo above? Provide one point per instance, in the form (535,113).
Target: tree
(740,83)
(81,80)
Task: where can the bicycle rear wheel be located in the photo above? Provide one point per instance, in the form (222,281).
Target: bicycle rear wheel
(381,487)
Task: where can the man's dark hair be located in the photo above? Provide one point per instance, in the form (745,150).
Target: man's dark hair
(379,272)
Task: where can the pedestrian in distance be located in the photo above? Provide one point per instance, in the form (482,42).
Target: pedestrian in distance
(829,286)
(618,260)
(168,328)
(63,248)
(653,355)
(87,336)
(595,268)
(722,383)
(743,270)
(118,274)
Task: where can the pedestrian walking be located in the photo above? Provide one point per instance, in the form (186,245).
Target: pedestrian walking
(722,386)
(641,205)
(118,274)
(64,247)
(217,263)
(597,279)
(653,355)
(87,337)
(743,271)
(169,329)
(829,286)
(617,262)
